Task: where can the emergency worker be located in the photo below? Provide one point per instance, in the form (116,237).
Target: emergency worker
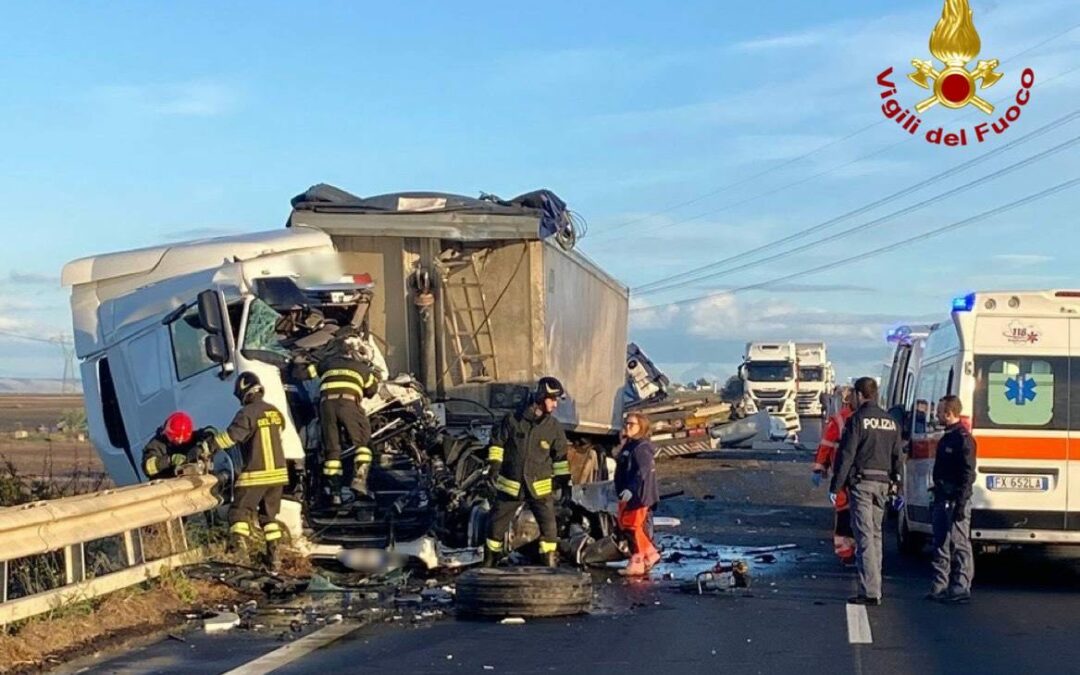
(347,379)
(954,474)
(256,429)
(868,465)
(843,537)
(528,457)
(635,484)
(175,444)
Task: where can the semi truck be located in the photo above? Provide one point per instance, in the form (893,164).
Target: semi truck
(770,376)
(463,304)
(816,378)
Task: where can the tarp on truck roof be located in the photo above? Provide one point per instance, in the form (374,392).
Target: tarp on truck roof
(537,214)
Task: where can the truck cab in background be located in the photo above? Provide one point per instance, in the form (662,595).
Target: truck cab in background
(816,378)
(770,378)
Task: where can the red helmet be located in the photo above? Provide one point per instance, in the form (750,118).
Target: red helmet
(178,428)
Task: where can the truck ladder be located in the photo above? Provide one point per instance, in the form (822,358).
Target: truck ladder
(469,319)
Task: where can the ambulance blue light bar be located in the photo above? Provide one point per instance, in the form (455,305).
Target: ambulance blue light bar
(964,303)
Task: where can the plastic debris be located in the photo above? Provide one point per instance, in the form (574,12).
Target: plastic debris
(221,623)
(512,621)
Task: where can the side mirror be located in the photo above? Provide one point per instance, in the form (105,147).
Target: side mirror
(216,349)
(211,313)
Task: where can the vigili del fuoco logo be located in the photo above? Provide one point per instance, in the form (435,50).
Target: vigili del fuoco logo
(954,42)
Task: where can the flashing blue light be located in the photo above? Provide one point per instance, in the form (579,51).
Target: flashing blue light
(964,303)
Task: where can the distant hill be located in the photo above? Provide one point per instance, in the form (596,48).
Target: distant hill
(37,385)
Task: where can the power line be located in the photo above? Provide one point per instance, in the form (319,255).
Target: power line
(793,160)
(877,251)
(842,233)
(52,341)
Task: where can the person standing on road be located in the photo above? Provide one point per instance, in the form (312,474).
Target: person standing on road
(527,456)
(635,484)
(867,463)
(843,536)
(257,429)
(954,474)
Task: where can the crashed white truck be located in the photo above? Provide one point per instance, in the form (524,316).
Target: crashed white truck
(476,297)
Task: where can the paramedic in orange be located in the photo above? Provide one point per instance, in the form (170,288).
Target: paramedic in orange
(843,536)
(635,484)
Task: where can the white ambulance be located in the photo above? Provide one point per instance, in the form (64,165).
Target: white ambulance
(1008,356)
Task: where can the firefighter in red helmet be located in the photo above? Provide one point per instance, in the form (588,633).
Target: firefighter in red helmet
(175,444)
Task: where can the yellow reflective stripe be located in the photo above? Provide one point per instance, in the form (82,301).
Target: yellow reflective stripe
(510,487)
(351,386)
(241,528)
(223,440)
(548,546)
(255,478)
(271,531)
(312,372)
(542,487)
(331,467)
(363,455)
(495,454)
(151,466)
(344,372)
(267,449)
(561,468)
(494,545)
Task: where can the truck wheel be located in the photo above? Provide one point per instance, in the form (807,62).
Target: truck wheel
(910,543)
(523,591)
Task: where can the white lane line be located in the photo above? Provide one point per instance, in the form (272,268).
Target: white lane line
(295,650)
(858,625)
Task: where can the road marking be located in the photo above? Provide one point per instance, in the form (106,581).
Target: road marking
(295,650)
(858,625)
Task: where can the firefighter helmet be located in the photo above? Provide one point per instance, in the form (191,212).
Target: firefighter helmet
(549,387)
(178,428)
(247,385)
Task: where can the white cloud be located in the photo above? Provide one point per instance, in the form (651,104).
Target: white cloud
(197,98)
(807,38)
(1023,259)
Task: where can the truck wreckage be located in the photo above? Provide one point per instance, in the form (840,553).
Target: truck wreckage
(499,295)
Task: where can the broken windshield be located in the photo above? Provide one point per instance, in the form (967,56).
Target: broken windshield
(259,335)
(769,371)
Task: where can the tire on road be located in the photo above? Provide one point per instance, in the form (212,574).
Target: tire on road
(523,591)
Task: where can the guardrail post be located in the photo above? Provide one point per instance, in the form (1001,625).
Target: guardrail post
(3,581)
(177,535)
(133,548)
(74,564)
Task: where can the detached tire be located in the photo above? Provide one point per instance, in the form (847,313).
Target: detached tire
(523,591)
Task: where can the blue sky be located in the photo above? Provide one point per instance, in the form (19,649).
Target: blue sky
(126,124)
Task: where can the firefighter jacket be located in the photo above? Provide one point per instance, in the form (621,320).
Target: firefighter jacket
(347,376)
(635,470)
(528,448)
(954,465)
(869,448)
(257,429)
(830,438)
(161,458)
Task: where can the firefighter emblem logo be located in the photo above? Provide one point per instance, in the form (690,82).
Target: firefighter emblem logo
(955,42)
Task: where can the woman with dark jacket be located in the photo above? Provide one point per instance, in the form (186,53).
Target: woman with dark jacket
(635,484)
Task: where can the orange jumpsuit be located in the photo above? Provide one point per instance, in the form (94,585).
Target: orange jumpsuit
(843,536)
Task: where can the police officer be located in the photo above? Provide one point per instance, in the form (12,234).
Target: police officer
(528,455)
(257,429)
(347,379)
(867,464)
(174,444)
(954,474)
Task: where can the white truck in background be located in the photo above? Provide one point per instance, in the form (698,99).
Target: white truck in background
(770,378)
(816,378)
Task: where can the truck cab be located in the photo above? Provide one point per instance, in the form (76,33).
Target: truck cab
(816,378)
(770,377)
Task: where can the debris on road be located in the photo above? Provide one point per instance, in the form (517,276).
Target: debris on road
(221,623)
(512,621)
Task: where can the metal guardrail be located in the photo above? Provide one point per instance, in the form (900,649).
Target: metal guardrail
(66,525)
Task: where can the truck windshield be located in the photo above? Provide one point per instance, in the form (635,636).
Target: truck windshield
(259,334)
(769,371)
(810,374)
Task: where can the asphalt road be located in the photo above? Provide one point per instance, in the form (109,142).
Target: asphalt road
(795,619)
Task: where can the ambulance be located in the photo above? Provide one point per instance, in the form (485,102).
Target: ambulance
(1008,355)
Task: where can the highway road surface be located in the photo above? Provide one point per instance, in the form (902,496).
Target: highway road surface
(1023,618)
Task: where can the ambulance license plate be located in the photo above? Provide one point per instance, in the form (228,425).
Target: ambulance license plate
(1018,483)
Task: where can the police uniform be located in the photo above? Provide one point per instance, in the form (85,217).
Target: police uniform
(257,429)
(954,474)
(528,454)
(346,381)
(868,459)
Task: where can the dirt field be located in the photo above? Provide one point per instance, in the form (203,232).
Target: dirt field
(50,453)
(28,412)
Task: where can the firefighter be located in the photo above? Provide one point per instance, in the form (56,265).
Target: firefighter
(257,429)
(528,457)
(347,379)
(175,444)
(843,537)
(868,465)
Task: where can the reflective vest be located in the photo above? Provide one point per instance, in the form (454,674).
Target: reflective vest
(257,429)
(530,451)
(342,375)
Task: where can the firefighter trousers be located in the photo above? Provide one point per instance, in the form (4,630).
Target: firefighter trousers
(502,516)
(258,502)
(338,413)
